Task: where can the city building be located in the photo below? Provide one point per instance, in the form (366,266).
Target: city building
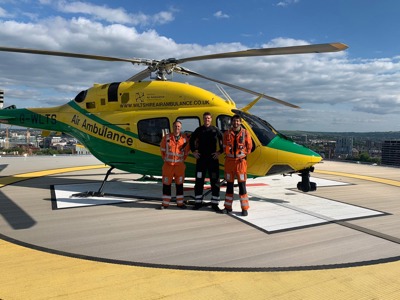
(391,153)
(81,150)
(1,98)
(28,141)
(344,147)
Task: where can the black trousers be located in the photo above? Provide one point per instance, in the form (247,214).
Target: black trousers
(204,166)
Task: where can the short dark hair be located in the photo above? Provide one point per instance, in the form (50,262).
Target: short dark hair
(207,114)
(235,117)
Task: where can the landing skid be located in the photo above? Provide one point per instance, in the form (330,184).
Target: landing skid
(149,178)
(99,193)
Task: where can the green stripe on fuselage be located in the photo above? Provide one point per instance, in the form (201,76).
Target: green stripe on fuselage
(283,144)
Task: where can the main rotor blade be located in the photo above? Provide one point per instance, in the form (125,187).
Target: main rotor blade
(141,75)
(317,48)
(189,72)
(70,54)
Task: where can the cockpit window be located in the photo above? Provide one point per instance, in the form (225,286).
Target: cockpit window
(262,129)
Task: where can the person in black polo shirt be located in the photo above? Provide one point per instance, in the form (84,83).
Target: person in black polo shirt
(206,146)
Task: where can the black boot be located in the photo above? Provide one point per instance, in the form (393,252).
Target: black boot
(216,208)
(197,206)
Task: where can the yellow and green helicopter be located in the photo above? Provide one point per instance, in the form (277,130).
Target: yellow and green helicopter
(122,123)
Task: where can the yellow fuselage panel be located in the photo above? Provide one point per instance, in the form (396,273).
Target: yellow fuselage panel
(153,95)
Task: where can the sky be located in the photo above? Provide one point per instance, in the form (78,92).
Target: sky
(356,90)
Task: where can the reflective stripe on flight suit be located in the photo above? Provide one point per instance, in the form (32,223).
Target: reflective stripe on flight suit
(236,147)
(174,152)
(228,201)
(244,202)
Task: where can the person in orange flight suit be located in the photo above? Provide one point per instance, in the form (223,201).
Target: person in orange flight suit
(174,150)
(237,145)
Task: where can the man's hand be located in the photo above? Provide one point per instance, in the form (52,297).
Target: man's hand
(215,155)
(196,154)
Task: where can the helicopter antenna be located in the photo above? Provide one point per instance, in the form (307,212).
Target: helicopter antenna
(223,92)
(226,95)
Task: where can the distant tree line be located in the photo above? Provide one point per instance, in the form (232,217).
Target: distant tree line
(365,157)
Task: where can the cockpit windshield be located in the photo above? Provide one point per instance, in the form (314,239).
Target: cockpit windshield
(262,129)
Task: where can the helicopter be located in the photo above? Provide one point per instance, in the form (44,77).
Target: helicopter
(122,123)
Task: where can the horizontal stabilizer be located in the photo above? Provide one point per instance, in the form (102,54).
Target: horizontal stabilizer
(46,133)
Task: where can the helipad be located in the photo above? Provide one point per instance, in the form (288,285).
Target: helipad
(121,239)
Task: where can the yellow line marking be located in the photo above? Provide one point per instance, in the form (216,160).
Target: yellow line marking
(30,274)
(363,177)
(20,177)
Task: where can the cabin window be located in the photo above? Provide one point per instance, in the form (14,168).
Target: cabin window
(223,122)
(113,92)
(90,105)
(152,130)
(189,124)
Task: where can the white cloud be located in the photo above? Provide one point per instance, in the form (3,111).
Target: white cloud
(287,3)
(111,15)
(100,12)
(220,15)
(333,90)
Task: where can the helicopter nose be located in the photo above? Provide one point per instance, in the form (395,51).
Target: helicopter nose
(299,156)
(315,157)
(305,157)
(312,156)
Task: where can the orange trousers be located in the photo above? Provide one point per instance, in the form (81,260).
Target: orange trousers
(235,168)
(171,172)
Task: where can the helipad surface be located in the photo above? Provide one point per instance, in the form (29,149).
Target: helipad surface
(350,222)
(275,205)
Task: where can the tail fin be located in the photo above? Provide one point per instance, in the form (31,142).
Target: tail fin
(251,104)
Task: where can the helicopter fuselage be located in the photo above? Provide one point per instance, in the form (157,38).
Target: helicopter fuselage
(122,124)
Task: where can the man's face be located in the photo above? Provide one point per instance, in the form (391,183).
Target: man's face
(177,128)
(236,124)
(207,120)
